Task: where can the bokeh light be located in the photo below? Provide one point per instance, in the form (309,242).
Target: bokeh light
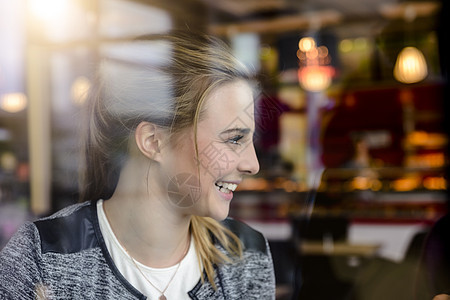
(13,102)
(306,44)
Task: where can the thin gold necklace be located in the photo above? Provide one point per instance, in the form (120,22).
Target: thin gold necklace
(162,297)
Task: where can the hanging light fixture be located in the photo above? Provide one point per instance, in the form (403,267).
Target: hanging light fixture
(314,73)
(315,78)
(410,66)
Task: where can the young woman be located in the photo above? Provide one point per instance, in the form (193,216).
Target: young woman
(168,141)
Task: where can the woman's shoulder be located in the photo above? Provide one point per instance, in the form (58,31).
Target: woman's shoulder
(250,238)
(67,211)
(69,230)
(252,276)
(23,238)
(34,232)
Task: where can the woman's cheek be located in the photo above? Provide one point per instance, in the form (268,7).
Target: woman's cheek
(184,190)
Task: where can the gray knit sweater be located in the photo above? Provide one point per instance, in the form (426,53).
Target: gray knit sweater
(65,257)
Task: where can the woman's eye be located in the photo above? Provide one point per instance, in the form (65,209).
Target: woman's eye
(235,140)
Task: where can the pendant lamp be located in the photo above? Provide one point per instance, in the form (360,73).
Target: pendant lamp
(410,66)
(315,78)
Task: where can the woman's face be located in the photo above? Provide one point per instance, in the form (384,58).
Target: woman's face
(204,186)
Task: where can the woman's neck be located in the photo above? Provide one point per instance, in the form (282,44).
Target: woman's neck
(149,235)
(145,224)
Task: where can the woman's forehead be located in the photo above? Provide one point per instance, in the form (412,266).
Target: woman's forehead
(230,106)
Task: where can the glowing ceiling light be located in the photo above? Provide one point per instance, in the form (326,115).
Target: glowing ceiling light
(410,66)
(315,78)
(306,44)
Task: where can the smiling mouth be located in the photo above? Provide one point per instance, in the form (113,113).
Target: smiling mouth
(225,187)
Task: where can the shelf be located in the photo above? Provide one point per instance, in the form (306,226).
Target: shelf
(337,248)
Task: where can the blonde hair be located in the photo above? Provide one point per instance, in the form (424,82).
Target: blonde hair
(167,85)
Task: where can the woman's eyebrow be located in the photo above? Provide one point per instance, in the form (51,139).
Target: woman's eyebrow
(236,130)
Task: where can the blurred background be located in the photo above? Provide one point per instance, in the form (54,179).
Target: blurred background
(350,125)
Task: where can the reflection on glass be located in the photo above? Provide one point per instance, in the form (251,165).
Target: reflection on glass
(120,18)
(80,89)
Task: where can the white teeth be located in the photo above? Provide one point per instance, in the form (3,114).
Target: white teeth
(226,187)
(224,190)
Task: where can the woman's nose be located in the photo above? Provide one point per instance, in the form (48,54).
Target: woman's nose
(248,163)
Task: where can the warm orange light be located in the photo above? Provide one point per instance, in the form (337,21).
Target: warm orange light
(301,55)
(429,160)
(376,185)
(312,54)
(289,186)
(315,78)
(323,51)
(406,184)
(410,66)
(435,183)
(13,102)
(418,138)
(426,139)
(361,183)
(306,44)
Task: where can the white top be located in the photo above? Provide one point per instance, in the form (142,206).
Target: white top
(185,279)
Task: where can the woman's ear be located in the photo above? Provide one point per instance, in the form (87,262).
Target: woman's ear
(148,140)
